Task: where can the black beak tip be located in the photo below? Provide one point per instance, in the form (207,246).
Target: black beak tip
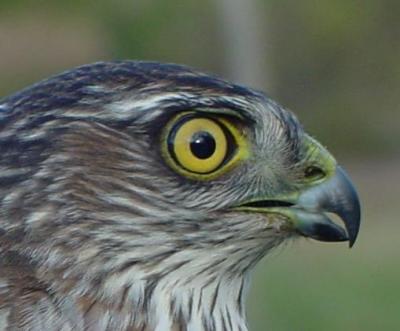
(353,226)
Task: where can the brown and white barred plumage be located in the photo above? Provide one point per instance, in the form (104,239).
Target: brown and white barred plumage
(97,233)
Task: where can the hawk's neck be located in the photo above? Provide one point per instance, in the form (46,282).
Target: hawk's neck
(211,305)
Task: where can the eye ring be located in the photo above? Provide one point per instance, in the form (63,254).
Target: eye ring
(198,144)
(201,146)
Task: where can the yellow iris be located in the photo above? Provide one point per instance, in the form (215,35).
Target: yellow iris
(203,147)
(200,145)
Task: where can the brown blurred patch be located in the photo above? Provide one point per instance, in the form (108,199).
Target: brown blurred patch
(36,44)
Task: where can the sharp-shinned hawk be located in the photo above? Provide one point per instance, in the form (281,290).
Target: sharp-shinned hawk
(139,196)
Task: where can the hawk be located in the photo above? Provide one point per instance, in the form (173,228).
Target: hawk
(139,196)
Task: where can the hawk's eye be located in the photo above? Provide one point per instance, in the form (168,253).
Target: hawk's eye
(201,145)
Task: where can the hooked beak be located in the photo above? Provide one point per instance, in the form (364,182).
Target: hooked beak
(309,212)
(337,195)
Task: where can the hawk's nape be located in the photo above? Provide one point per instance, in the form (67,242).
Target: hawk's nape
(139,196)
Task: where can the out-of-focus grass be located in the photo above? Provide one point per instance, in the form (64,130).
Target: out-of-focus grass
(319,286)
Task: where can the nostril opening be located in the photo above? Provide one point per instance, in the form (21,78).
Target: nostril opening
(314,173)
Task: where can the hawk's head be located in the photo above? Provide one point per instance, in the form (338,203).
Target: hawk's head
(153,189)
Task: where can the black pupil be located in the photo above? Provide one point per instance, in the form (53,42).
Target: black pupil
(202,145)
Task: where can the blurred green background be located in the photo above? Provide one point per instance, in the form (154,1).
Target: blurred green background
(335,63)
